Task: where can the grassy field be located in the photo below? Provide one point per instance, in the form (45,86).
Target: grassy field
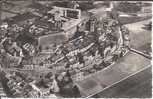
(128,20)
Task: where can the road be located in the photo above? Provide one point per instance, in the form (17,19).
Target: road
(137,86)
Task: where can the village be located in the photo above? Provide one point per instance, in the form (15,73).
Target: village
(47,52)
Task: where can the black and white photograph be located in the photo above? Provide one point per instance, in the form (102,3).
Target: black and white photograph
(75,49)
